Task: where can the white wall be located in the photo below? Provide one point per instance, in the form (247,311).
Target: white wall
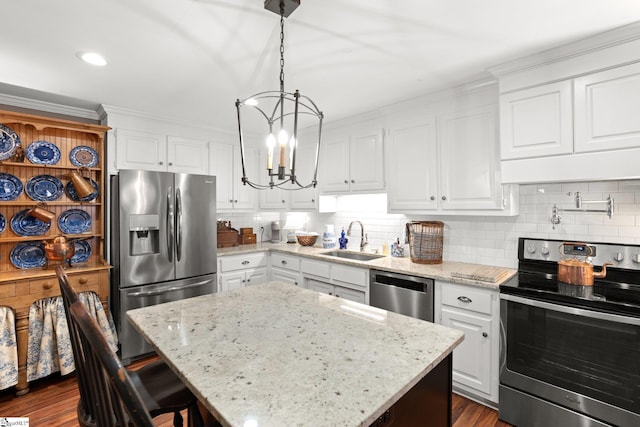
(485,239)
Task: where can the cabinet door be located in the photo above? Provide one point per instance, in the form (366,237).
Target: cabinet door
(350,294)
(413,166)
(256,276)
(472,358)
(469,160)
(606,110)
(187,156)
(141,150)
(245,197)
(536,122)
(231,281)
(221,165)
(272,198)
(305,199)
(366,162)
(285,276)
(335,165)
(315,285)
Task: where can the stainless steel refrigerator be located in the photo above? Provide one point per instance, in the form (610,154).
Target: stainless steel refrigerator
(163,245)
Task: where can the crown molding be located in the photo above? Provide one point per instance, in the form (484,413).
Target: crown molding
(49,107)
(605,40)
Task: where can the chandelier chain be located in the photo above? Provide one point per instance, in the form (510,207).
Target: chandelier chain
(281,46)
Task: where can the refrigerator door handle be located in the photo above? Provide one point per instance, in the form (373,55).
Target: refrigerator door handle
(178,225)
(169,226)
(167,290)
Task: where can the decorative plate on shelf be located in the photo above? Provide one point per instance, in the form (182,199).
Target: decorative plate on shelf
(83,155)
(28,255)
(3,223)
(82,251)
(44,188)
(74,221)
(10,187)
(27,225)
(43,153)
(70,189)
(9,142)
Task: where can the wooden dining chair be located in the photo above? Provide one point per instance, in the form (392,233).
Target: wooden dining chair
(154,385)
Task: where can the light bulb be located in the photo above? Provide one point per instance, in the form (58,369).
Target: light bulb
(283,137)
(271,142)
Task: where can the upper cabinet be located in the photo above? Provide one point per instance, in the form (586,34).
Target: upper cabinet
(443,157)
(353,161)
(225,163)
(570,114)
(156,152)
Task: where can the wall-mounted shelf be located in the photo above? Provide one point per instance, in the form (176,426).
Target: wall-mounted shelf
(609,208)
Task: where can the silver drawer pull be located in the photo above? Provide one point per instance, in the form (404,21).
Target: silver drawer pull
(464,299)
(245,262)
(284,262)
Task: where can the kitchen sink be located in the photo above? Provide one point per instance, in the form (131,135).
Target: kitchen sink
(357,256)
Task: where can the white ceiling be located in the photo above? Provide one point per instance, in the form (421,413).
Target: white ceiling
(191,59)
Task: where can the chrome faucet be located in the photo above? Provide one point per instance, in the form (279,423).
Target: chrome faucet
(363,237)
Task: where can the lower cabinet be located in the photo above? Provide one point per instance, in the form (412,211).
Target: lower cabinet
(474,311)
(286,268)
(238,271)
(343,281)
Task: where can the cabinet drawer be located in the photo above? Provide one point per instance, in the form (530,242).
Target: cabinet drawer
(240,262)
(315,268)
(8,290)
(48,285)
(467,298)
(85,282)
(353,275)
(79,282)
(285,261)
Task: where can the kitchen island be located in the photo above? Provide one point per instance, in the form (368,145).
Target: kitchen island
(276,354)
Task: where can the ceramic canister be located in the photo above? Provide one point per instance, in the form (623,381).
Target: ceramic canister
(328,237)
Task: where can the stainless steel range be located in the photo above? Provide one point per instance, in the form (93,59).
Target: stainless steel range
(570,354)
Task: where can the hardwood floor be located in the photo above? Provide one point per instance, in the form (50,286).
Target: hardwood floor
(52,402)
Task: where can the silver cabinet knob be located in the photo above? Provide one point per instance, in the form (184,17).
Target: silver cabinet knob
(282,201)
(353,181)
(235,201)
(346,182)
(484,334)
(159,163)
(170,164)
(284,262)
(444,197)
(432,197)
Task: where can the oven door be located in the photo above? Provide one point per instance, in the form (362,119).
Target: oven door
(583,360)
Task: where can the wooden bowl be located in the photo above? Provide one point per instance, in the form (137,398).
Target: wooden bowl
(307,239)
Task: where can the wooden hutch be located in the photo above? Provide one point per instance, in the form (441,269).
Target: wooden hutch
(20,287)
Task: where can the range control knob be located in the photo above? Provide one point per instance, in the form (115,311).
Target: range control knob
(544,251)
(531,249)
(636,258)
(618,257)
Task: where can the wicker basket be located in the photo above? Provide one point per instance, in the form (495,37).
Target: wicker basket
(426,241)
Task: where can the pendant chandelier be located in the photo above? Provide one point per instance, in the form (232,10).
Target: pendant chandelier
(283,112)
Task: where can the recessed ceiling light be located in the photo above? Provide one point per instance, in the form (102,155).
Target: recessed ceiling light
(92,58)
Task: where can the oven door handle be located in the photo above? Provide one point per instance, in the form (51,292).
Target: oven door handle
(630,320)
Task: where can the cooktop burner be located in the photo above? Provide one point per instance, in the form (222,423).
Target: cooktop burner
(617,292)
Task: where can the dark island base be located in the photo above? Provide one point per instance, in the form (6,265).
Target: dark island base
(428,403)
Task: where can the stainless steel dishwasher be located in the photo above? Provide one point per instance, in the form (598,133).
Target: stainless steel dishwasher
(401,293)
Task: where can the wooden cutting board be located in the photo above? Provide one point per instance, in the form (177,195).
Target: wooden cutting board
(482,274)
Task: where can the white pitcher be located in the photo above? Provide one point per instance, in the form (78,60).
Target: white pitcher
(329,237)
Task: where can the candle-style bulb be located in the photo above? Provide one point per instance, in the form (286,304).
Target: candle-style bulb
(271,143)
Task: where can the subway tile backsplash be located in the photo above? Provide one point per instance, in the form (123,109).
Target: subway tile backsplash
(483,239)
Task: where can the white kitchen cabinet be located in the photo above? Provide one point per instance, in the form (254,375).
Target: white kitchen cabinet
(298,199)
(225,164)
(343,281)
(537,122)
(157,152)
(353,162)
(286,268)
(447,163)
(237,271)
(474,311)
(606,107)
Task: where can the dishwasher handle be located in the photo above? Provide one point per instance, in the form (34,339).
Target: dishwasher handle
(412,283)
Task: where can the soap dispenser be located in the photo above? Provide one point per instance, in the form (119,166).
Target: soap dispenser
(343,240)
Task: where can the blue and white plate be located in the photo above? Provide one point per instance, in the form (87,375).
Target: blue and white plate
(74,221)
(44,188)
(82,251)
(27,225)
(10,187)
(9,142)
(70,189)
(28,255)
(3,223)
(83,155)
(43,153)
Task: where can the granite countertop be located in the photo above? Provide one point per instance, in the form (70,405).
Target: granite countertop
(458,272)
(276,354)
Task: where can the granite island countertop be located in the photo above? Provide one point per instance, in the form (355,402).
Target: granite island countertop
(276,354)
(458,272)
